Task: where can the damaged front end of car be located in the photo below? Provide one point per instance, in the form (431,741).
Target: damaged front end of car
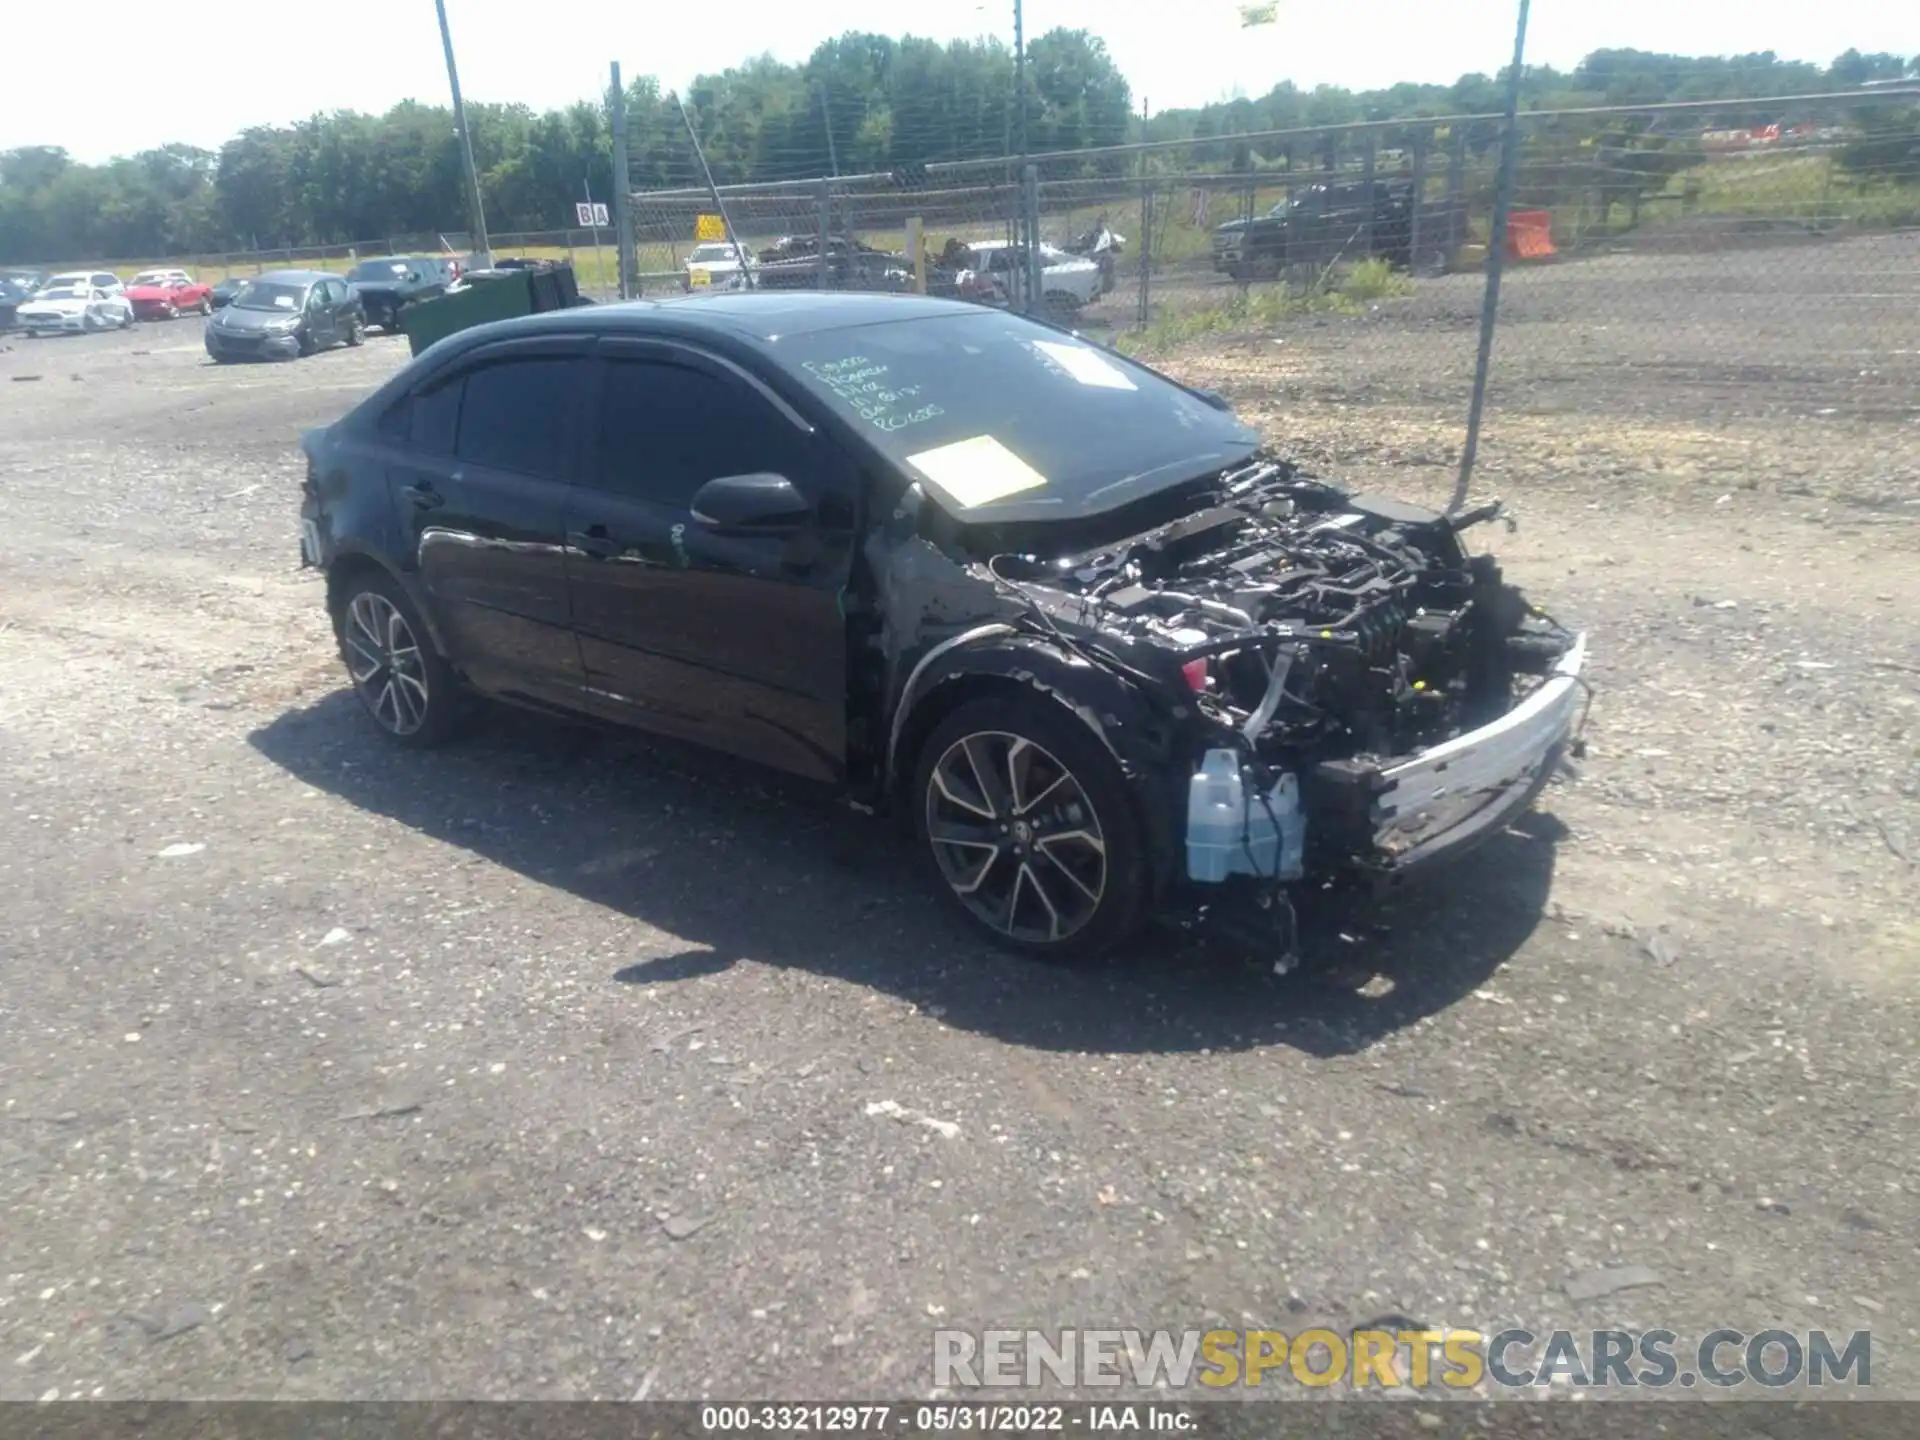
(1301,685)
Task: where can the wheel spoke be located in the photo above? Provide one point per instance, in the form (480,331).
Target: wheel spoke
(967,881)
(385,704)
(411,696)
(1077,837)
(1020,755)
(1052,785)
(944,781)
(1092,894)
(1039,889)
(374,660)
(986,775)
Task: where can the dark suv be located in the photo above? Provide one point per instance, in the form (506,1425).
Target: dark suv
(1319,224)
(1104,652)
(391,283)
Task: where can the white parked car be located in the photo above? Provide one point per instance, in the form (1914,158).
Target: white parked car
(1066,281)
(77,300)
(716,265)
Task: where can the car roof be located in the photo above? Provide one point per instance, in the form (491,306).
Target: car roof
(755,315)
(294,277)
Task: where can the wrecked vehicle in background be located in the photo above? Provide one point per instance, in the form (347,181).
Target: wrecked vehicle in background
(389,284)
(793,263)
(1105,654)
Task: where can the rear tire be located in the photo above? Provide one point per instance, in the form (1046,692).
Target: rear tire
(1028,827)
(402,682)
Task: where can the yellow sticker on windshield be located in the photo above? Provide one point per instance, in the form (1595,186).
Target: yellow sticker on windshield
(977,471)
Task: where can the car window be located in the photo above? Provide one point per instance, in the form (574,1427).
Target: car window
(665,430)
(103,281)
(514,415)
(427,420)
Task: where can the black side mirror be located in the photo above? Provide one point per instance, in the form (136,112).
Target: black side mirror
(758,504)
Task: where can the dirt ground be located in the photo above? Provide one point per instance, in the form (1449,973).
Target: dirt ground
(556,1065)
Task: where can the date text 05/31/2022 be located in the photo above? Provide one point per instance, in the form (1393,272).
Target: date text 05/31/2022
(940,1418)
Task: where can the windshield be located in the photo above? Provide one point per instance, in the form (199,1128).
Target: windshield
(707,254)
(379,270)
(155,277)
(270,295)
(63,292)
(1009,420)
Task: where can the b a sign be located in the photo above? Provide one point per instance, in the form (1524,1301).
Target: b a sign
(591,215)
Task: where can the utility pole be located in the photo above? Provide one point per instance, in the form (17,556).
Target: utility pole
(1019,76)
(482,247)
(826,119)
(1496,257)
(623,238)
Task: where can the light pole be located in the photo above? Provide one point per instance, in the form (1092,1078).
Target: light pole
(1020,77)
(1496,259)
(482,247)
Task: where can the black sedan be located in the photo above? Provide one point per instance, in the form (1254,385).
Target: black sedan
(1104,653)
(285,313)
(224,292)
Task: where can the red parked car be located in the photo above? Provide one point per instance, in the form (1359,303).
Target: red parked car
(165,294)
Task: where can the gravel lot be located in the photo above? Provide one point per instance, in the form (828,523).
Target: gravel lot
(556,1065)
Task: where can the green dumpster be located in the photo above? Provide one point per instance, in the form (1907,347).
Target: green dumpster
(502,296)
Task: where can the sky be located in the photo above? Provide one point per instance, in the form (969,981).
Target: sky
(294,60)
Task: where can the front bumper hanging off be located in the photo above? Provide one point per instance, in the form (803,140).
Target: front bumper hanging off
(1387,819)
(1440,803)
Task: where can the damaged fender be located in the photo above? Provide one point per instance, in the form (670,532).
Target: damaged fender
(1140,736)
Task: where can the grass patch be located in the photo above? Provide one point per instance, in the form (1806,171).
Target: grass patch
(1253,309)
(1248,310)
(1375,279)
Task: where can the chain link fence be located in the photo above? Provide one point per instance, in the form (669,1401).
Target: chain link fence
(1677,265)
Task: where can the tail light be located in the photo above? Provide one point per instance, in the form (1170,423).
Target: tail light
(1196,673)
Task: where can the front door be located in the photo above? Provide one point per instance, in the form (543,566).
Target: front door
(735,641)
(482,489)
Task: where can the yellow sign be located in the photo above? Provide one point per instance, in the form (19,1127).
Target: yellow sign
(709,227)
(697,277)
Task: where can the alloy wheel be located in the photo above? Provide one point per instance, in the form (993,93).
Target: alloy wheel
(384,659)
(1016,837)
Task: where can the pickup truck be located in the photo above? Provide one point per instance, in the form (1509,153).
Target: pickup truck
(390,283)
(1319,224)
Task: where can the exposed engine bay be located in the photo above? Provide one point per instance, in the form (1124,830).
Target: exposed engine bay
(1314,624)
(1305,683)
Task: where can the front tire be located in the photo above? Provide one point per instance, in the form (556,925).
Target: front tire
(400,677)
(1029,828)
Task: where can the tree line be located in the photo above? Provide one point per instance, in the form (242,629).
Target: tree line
(860,103)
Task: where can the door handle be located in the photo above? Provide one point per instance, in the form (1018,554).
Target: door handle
(593,541)
(423,496)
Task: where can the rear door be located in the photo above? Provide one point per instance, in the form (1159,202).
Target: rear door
(737,642)
(320,328)
(481,488)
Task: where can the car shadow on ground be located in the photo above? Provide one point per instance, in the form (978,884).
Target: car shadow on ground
(744,865)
